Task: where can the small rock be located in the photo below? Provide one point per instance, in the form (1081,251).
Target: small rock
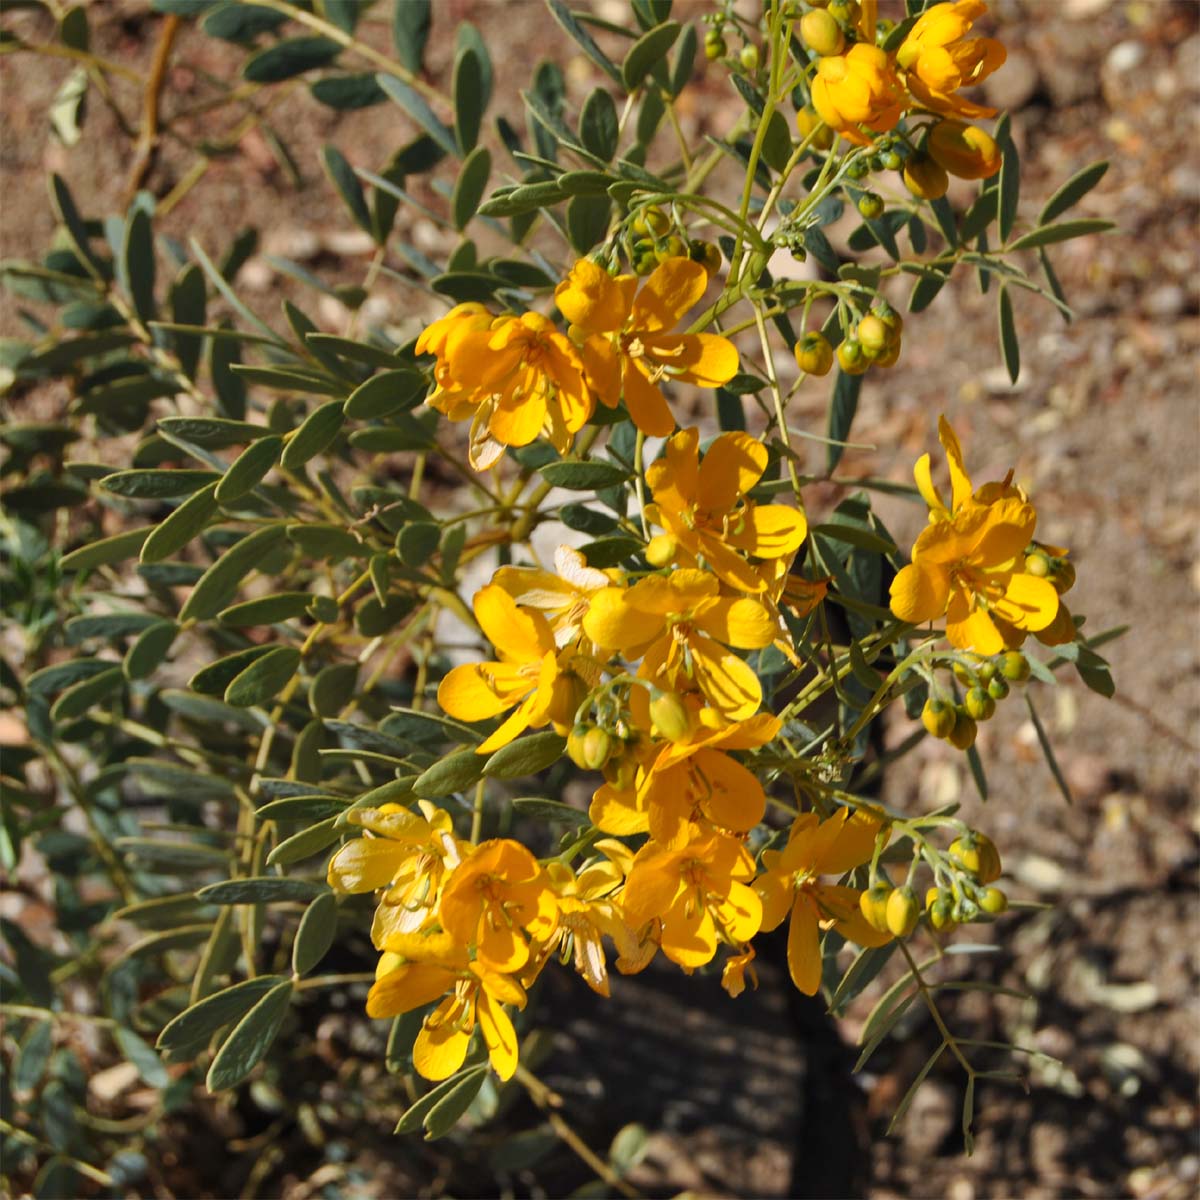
(1165,301)
(1124,56)
(110,1083)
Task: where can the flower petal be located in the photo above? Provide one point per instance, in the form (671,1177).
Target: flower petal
(498,1035)
(733,464)
(592,299)
(439,1049)
(518,636)
(672,288)
(919,593)
(804,946)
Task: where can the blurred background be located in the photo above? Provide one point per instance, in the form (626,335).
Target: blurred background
(1102,427)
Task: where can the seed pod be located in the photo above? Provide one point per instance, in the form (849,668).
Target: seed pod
(903,912)
(814,354)
(979,705)
(873,904)
(941,912)
(938,718)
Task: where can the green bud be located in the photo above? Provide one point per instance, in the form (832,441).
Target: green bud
(814,354)
(997,688)
(938,718)
(979,705)
(749,57)
(1014,666)
(993,901)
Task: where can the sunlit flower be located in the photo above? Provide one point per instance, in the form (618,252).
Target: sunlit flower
(702,504)
(681,627)
(791,884)
(937,58)
(525,676)
(699,893)
(626,344)
(563,597)
(964,150)
(858,89)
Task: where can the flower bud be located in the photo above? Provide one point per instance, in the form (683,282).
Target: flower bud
(978,855)
(671,247)
(997,688)
(939,904)
(597,746)
(1037,564)
(569,692)
(661,549)
(851,358)
(1014,666)
(979,705)
(809,122)
(993,901)
(903,912)
(575,745)
(814,354)
(964,150)
(846,11)
(821,33)
(870,205)
(707,254)
(1063,576)
(962,736)
(749,57)
(651,222)
(873,905)
(938,718)
(714,45)
(873,335)
(670,715)
(925,178)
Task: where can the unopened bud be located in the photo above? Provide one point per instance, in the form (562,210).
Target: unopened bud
(962,736)
(979,705)
(903,912)
(661,548)
(938,718)
(978,855)
(670,716)
(821,33)
(814,354)
(873,905)
(873,335)
(993,901)
(1014,666)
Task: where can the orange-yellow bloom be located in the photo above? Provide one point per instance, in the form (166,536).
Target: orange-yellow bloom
(518,377)
(680,626)
(563,597)
(792,884)
(699,892)
(496,892)
(858,89)
(702,504)
(525,675)
(627,347)
(964,150)
(937,58)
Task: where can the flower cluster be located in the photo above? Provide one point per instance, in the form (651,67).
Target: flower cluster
(864,90)
(518,377)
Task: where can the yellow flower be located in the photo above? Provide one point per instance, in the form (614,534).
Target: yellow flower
(449,397)
(688,782)
(702,504)
(856,89)
(497,891)
(424,969)
(938,58)
(964,150)
(680,626)
(525,675)
(970,569)
(410,857)
(563,597)
(699,893)
(520,377)
(792,884)
(627,348)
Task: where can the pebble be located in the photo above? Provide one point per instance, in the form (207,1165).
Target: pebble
(1124,56)
(1165,301)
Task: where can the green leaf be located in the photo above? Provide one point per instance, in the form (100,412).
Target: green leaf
(1010,347)
(414,1116)
(188,302)
(417,542)
(1047,235)
(470,185)
(260,889)
(108,626)
(105,552)
(526,756)
(185,523)
(777,142)
(843,404)
(467,37)
(629,1146)
(347,93)
(467,90)
(34,1054)
(599,130)
(332,689)
(157,485)
(1009,187)
(79,697)
(1072,191)
(190,1031)
(866,965)
(541,809)
(424,729)
(69,107)
(305,844)
(411,20)
(975,763)
(213,679)
(264,678)
(341,174)
(141,1054)
(218,585)
(214,433)
(138,256)
(926,289)
(649,49)
(64,206)
(685,60)
(250,1040)
(241,22)
(386,393)
(583,476)
(149,649)
(455,773)
(246,471)
(449,1109)
(563,15)
(414,104)
(286,59)
(315,934)
(326,541)
(1048,751)
(267,610)
(316,434)
(1095,673)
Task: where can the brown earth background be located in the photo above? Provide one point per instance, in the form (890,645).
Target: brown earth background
(1103,428)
